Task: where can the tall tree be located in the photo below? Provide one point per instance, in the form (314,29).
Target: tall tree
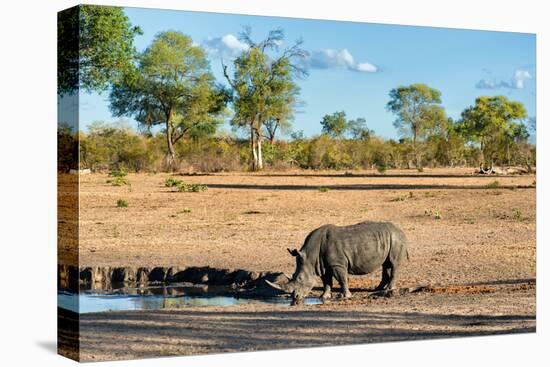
(515,133)
(418,109)
(487,123)
(171,86)
(283,104)
(95,46)
(358,129)
(263,85)
(335,125)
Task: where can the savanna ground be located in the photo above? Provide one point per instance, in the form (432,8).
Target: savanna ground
(471,240)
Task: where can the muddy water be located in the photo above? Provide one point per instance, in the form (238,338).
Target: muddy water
(159,298)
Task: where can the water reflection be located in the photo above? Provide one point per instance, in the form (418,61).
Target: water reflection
(158,298)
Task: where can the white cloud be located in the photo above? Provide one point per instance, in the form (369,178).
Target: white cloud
(520,76)
(516,82)
(342,59)
(225,46)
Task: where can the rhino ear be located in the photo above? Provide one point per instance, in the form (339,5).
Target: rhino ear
(293,252)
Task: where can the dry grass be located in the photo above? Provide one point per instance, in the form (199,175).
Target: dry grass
(471,244)
(248,220)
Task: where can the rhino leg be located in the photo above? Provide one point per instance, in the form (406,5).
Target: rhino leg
(393,277)
(327,284)
(341,276)
(386,276)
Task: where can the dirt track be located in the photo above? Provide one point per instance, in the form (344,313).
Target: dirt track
(462,230)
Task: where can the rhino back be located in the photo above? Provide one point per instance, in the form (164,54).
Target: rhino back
(363,247)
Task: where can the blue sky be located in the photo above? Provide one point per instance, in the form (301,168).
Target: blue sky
(353,66)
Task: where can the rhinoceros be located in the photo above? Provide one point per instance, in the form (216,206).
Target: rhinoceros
(333,251)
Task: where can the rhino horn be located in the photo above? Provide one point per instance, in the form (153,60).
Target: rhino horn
(281,287)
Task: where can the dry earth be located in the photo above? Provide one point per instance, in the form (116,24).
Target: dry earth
(462,229)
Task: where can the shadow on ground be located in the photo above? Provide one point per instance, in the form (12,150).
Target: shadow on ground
(122,335)
(366,187)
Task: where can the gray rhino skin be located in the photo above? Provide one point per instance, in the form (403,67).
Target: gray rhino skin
(332,251)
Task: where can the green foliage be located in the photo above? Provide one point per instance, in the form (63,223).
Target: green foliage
(186,210)
(171,86)
(121,203)
(264,92)
(116,147)
(119,181)
(172,182)
(335,125)
(323,189)
(495,124)
(419,112)
(433,213)
(108,147)
(380,167)
(95,46)
(184,187)
(67,149)
(358,129)
(118,173)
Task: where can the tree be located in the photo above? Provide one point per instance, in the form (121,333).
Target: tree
(358,129)
(171,86)
(418,109)
(95,46)
(263,86)
(283,104)
(335,125)
(489,121)
(515,133)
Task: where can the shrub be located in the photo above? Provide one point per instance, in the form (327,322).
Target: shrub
(493,185)
(323,189)
(121,203)
(119,181)
(172,182)
(381,167)
(118,173)
(183,187)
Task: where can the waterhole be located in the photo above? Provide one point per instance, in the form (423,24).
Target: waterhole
(160,298)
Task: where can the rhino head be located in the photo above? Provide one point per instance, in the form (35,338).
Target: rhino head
(302,281)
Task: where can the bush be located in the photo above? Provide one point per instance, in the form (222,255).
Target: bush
(118,173)
(171,182)
(119,181)
(183,187)
(493,185)
(121,203)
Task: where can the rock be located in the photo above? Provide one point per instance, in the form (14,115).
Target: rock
(142,275)
(171,272)
(85,275)
(157,274)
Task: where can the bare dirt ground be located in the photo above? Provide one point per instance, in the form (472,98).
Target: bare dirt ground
(471,238)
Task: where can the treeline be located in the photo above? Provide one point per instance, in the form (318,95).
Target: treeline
(108,147)
(169,88)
